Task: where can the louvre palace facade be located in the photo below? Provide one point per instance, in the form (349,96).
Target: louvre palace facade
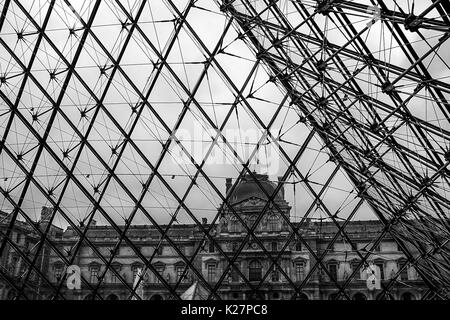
(295,259)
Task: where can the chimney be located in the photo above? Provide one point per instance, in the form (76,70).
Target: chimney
(204,220)
(280,179)
(228,184)
(93,223)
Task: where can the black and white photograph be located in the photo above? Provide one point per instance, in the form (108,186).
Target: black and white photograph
(242,151)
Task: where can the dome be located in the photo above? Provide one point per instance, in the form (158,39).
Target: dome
(248,188)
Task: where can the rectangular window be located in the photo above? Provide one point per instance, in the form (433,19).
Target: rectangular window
(179,271)
(299,271)
(404,272)
(114,278)
(13,265)
(58,272)
(23,268)
(211,247)
(275,275)
(354,266)
(160,270)
(333,270)
(381,270)
(274,246)
(94,274)
(135,268)
(235,276)
(211,272)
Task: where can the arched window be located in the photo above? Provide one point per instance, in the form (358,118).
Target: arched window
(273,223)
(12,295)
(112,297)
(385,296)
(234,225)
(256,296)
(359,296)
(254,270)
(407,296)
(156,297)
(334,296)
(301,296)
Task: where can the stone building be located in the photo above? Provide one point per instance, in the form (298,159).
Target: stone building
(22,246)
(273,233)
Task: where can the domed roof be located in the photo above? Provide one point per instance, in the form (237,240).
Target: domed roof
(248,188)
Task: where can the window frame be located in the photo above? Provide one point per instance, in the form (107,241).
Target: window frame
(235,277)
(58,268)
(94,270)
(117,267)
(134,269)
(299,269)
(400,263)
(335,274)
(273,224)
(251,222)
(353,265)
(234,225)
(255,273)
(274,246)
(211,271)
(179,270)
(381,269)
(275,275)
(159,268)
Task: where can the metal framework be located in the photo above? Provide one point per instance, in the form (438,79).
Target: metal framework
(352,96)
